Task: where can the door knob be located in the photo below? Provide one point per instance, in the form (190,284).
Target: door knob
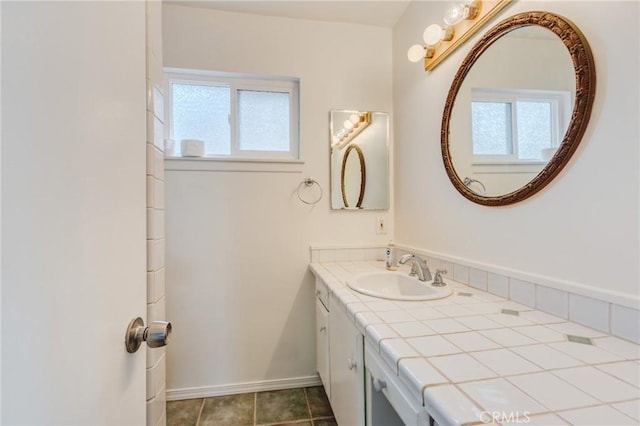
(156,334)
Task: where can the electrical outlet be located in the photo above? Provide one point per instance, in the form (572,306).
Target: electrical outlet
(381,225)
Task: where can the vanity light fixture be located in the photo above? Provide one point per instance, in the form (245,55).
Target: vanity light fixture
(461,20)
(350,129)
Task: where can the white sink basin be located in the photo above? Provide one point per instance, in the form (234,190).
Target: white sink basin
(396,286)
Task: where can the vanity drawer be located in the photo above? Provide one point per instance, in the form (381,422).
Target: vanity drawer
(410,411)
(322,292)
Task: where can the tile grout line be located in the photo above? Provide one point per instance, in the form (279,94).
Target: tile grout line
(255,407)
(309,419)
(306,399)
(293,422)
(200,412)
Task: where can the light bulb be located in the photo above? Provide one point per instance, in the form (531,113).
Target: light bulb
(473,9)
(347,124)
(415,53)
(433,35)
(354,118)
(455,14)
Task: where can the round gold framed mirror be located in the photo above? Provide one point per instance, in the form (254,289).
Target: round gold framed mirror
(510,126)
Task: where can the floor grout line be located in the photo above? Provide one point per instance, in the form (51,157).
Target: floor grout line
(306,399)
(286,422)
(255,408)
(310,419)
(200,412)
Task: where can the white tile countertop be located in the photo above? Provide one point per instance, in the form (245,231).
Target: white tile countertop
(474,352)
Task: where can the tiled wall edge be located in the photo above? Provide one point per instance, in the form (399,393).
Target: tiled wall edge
(536,279)
(156,412)
(346,253)
(603,310)
(607,311)
(156,358)
(156,377)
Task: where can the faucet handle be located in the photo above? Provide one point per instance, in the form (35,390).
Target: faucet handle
(437,280)
(414,270)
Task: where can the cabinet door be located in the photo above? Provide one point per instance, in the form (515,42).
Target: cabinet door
(347,368)
(322,345)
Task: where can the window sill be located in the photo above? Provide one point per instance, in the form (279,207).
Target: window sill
(508,168)
(509,163)
(217,164)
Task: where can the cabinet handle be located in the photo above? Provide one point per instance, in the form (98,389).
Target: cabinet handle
(351,364)
(379,385)
(323,328)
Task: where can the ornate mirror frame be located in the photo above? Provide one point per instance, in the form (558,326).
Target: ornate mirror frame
(363,175)
(585,74)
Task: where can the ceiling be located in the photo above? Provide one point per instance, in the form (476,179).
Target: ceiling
(382,13)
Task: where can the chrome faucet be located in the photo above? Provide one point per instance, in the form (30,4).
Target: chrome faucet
(418,266)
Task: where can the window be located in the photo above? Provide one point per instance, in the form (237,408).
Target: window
(237,117)
(515,126)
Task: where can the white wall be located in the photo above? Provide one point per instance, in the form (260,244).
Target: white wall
(238,290)
(582,230)
(0,217)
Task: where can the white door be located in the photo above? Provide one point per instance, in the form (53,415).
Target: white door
(73,211)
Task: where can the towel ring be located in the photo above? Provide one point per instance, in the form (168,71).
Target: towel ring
(468,181)
(308,182)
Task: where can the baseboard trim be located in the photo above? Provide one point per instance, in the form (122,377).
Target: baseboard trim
(236,388)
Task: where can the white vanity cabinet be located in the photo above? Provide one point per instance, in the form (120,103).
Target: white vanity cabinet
(389,402)
(322,344)
(346,367)
(340,359)
(322,334)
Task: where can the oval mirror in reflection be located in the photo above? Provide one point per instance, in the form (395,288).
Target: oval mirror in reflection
(353,177)
(517,108)
(354,136)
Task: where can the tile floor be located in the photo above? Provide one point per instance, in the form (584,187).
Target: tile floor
(299,407)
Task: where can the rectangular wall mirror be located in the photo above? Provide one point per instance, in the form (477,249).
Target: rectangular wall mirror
(359,143)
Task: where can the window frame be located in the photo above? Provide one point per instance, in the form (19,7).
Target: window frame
(236,82)
(560,102)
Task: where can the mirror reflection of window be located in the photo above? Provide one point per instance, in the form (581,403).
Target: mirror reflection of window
(517,125)
(535,122)
(491,128)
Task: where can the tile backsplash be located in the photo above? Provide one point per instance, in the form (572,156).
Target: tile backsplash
(618,320)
